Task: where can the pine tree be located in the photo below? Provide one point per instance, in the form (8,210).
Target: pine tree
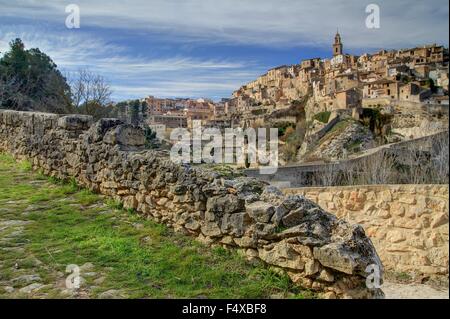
(31,81)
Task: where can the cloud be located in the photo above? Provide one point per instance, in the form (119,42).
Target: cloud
(178,89)
(259,22)
(134,75)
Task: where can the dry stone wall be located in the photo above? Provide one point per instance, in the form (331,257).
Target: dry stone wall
(408,224)
(316,249)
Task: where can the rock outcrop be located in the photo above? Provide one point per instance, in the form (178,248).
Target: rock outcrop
(344,138)
(315,248)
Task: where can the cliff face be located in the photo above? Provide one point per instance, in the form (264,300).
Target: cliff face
(345,137)
(315,248)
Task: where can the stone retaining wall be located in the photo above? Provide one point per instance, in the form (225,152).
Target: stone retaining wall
(317,250)
(408,224)
(308,174)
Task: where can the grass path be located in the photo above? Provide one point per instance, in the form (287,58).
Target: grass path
(46,225)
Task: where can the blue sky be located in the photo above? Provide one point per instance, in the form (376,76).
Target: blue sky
(208,48)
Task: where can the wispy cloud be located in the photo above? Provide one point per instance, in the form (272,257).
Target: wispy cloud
(132,74)
(262,22)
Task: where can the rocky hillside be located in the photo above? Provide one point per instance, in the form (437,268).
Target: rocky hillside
(346,137)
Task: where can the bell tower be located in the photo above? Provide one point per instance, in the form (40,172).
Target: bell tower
(337,46)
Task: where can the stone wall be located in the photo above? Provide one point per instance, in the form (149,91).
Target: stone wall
(309,174)
(316,249)
(408,224)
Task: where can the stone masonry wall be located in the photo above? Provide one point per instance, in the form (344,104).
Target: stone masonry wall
(408,224)
(316,249)
(306,174)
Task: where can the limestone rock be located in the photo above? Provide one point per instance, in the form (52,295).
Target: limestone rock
(211,229)
(283,255)
(31,288)
(260,211)
(98,130)
(326,275)
(75,122)
(26,279)
(280,212)
(192,225)
(112,294)
(125,135)
(235,224)
(340,255)
(227,204)
(293,218)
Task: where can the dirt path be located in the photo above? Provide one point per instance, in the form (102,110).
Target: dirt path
(413,291)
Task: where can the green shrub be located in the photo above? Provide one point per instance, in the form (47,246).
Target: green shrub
(150,137)
(323,117)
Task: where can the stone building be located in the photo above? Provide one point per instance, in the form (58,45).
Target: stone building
(337,45)
(410,92)
(169,120)
(203,115)
(381,89)
(346,99)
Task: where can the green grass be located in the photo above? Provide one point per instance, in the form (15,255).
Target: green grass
(322,116)
(336,130)
(223,170)
(401,277)
(280,229)
(353,146)
(135,255)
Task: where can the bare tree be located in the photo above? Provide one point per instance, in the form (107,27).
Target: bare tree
(89,88)
(327,175)
(9,89)
(440,159)
(349,174)
(90,93)
(419,164)
(378,168)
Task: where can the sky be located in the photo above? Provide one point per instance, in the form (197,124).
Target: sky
(209,48)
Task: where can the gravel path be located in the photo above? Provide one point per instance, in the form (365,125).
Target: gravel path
(413,291)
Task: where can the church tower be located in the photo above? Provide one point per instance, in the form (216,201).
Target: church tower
(337,46)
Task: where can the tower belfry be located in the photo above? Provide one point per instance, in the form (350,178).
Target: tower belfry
(337,46)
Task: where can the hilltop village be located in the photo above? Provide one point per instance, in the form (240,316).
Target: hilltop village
(347,81)
(398,94)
